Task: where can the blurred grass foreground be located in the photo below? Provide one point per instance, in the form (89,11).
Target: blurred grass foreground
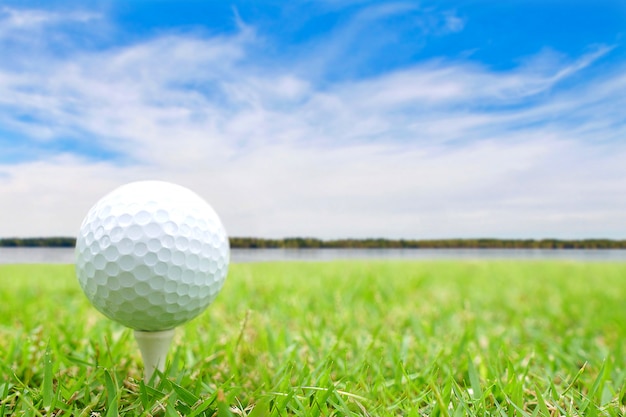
(384,338)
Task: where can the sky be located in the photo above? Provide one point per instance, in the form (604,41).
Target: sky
(327,119)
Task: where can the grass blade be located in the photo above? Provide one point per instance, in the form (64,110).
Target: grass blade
(185,395)
(477,392)
(47,388)
(112,394)
(594,388)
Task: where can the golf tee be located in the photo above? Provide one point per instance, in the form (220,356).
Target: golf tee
(153,347)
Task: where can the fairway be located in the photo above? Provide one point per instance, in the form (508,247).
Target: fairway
(377,338)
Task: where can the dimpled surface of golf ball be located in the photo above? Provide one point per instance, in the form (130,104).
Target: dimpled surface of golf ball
(151,255)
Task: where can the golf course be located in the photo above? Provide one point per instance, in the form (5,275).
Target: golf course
(312,208)
(362,338)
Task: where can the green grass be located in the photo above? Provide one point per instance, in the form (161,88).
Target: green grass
(338,338)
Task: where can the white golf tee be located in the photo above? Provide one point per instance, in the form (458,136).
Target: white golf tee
(154,347)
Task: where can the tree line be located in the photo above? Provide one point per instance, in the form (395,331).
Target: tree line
(373,243)
(34,242)
(380,243)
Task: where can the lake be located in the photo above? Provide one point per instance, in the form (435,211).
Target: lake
(66,255)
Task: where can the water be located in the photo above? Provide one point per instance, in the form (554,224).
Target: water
(36,255)
(66,255)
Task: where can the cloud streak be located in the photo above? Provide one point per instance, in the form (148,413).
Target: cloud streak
(20,19)
(445,148)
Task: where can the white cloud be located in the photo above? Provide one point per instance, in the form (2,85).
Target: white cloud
(442,149)
(28,28)
(12,18)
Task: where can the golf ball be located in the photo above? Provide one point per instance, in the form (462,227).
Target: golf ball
(151,255)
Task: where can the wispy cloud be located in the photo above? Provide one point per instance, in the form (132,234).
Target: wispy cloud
(26,27)
(374,30)
(31,19)
(443,148)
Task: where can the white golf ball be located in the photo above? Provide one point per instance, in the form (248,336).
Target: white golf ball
(151,255)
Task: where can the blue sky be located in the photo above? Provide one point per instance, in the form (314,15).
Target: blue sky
(328,118)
